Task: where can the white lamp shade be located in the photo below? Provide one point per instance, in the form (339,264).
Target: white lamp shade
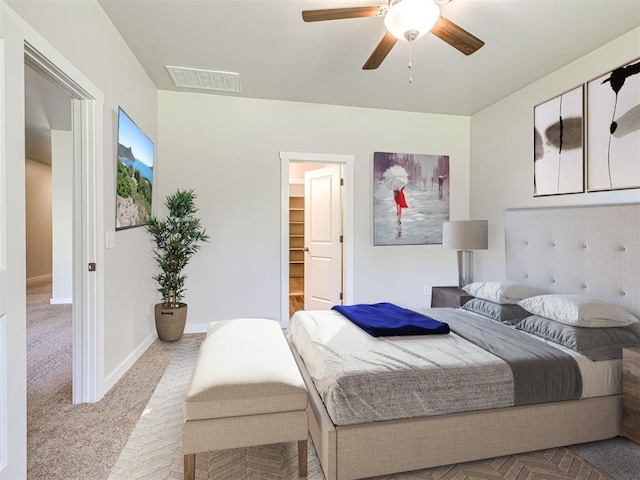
(411,15)
(465,235)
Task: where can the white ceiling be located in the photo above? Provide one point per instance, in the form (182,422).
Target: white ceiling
(281,57)
(47,107)
(278,56)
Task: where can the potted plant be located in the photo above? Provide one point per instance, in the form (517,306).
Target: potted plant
(176,239)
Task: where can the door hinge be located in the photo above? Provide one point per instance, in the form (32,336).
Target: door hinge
(340,295)
(342,182)
(92,267)
(341,239)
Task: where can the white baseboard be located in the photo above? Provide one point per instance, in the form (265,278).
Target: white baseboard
(60,301)
(41,278)
(117,374)
(202,327)
(196,328)
(4,388)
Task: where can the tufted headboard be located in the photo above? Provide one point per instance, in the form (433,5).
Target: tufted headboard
(593,251)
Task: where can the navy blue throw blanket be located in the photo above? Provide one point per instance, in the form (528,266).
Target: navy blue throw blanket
(387,319)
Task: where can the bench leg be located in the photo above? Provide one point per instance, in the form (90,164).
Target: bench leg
(302,458)
(190,467)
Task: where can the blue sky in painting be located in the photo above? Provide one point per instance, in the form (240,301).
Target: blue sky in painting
(130,135)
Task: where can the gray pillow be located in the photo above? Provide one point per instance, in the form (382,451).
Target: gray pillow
(595,343)
(502,312)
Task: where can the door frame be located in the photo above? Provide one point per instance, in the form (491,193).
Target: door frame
(88,224)
(347,258)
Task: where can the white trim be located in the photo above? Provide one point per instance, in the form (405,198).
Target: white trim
(60,301)
(4,353)
(3,189)
(347,161)
(196,328)
(128,362)
(88,296)
(4,388)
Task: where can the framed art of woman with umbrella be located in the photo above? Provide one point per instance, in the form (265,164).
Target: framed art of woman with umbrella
(396,178)
(410,198)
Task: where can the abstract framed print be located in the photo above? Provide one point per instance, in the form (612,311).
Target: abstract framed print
(558,162)
(613,129)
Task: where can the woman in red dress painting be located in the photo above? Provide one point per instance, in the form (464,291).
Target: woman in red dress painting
(398,196)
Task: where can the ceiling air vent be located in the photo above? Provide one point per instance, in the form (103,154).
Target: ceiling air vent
(204,79)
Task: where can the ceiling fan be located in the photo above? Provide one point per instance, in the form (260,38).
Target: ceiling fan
(404,20)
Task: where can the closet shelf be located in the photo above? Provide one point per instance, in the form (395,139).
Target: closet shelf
(296,236)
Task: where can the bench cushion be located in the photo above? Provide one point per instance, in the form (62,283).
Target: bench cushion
(244,367)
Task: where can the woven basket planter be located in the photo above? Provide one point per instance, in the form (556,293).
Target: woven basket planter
(170,322)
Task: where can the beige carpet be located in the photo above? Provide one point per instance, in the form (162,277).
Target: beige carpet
(154,450)
(78,442)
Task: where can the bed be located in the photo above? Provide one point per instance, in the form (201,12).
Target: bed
(576,250)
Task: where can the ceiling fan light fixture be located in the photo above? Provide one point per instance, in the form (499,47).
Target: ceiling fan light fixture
(411,16)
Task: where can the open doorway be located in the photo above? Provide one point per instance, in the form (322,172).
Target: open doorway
(76,204)
(49,185)
(299,218)
(49,239)
(296,239)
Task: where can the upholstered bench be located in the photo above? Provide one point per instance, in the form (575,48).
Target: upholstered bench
(245,390)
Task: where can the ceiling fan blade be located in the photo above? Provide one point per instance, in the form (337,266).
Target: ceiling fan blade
(456,36)
(339,13)
(380,53)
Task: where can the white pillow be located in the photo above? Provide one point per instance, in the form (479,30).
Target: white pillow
(578,311)
(504,292)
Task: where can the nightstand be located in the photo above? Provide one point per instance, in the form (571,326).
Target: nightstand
(631,393)
(449,297)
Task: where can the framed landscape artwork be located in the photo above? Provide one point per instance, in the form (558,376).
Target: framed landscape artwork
(134,175)
(613,129)
(558,163)
(410,198)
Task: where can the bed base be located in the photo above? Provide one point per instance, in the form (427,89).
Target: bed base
(380,448)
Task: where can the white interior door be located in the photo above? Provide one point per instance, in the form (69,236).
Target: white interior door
(322,238)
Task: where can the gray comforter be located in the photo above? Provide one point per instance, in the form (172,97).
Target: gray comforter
(541,373)
(362,379)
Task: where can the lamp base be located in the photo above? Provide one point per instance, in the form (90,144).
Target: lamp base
(465,268)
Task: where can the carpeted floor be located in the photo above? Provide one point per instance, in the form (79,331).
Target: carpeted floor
(154,449)
(78,442)
(619,456)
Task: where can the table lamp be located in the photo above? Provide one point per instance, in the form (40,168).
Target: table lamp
(465,236)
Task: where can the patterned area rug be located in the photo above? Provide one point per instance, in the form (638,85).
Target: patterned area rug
(154,449)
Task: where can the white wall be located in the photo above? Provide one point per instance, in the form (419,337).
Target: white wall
(38,218)
(227,149)
(62,215)
(502,150)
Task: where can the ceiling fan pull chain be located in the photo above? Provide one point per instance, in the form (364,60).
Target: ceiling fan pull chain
(410,60)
